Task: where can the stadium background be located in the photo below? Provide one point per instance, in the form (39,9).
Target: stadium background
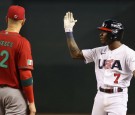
(61,84)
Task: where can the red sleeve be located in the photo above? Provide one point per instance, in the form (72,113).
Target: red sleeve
(27,86)
(28,92)
(25,60)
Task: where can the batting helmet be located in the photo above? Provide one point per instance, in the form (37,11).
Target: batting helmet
(113,27)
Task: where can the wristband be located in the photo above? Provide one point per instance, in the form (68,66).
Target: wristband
(69,35)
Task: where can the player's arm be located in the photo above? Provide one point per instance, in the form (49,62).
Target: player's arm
(27,85)
(69,22)
(134,73)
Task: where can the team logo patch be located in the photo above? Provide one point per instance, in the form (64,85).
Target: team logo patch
(118,25)
(29,62)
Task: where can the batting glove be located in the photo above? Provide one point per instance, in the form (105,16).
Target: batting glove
(69,22)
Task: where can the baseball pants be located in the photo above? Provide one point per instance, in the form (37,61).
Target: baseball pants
(12,102)
(110,104)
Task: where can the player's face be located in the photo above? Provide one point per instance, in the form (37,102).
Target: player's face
(103,37)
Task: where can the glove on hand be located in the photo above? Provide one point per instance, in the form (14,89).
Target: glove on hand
(69,22)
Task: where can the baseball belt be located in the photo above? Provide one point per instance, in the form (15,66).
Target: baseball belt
(110,90)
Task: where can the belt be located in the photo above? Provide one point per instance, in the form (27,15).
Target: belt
(118,89)
(3,85)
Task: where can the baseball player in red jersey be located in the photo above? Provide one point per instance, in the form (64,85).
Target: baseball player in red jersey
(114,66)
(16,82)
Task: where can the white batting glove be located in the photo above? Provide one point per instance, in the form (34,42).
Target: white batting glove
(69,22)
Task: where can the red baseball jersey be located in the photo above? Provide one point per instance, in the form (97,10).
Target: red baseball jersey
(15,54)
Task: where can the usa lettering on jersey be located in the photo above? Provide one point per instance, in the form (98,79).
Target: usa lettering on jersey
(109,64)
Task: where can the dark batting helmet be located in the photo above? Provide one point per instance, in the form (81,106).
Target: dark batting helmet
(113,27)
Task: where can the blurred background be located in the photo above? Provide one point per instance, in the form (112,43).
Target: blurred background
(61,84)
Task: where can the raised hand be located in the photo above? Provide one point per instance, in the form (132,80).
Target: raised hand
(69,22)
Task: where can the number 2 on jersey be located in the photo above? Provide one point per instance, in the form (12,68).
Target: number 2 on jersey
(2,62)
(117,75)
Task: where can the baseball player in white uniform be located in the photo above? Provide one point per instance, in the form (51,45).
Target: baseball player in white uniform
(114,65)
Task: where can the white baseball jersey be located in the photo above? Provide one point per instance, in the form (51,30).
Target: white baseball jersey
(112,67)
